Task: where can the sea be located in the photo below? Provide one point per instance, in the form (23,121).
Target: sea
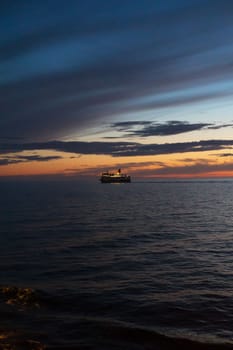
(144,265)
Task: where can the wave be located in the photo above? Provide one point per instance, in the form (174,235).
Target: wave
(82,328)
(121,335)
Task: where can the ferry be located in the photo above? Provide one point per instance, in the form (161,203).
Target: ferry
(117,177)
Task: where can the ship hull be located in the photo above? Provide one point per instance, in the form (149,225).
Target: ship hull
(109,179)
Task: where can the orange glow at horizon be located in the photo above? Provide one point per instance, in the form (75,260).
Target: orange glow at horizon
(140,166)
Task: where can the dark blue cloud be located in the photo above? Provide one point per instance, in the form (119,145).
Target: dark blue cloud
(7,161)
(146,128)
(24,159)
(116,149)
(169,128)
(220,126)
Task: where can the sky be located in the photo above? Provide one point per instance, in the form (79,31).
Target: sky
(94,85)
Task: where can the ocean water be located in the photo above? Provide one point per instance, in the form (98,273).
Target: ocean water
(145,265)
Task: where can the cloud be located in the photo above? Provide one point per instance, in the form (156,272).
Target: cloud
(117,149)
(11,138)
(129,125)
(226,155)
(216,127)
(38,158)
(169,128)
(192,170)
(147,128)
(159,169)
(7,161)
(22,159)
